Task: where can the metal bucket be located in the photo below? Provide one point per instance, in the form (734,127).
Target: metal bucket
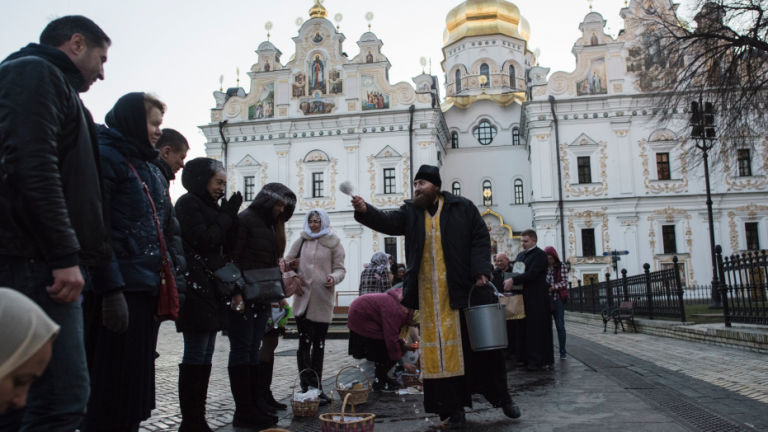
(487,324)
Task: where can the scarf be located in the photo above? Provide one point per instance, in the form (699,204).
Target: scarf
(129,117)
(325,224)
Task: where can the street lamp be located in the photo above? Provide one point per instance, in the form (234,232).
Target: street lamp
(703,132)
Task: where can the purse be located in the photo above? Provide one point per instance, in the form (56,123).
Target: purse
(227,279)
(263,285)
(168,297)
(514,308)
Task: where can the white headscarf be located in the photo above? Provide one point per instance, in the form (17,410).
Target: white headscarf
(325,224)
(26,328)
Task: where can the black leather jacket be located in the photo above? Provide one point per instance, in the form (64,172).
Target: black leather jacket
(50,192)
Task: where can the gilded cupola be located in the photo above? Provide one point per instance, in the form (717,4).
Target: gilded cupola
(318,11)
(485,17)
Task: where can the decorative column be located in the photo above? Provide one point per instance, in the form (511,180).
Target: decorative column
(352,147)
(283,170)
(624,153)
(546,162)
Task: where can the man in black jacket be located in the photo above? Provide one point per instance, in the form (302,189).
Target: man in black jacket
(534,333)
(448,250)
(503,265)
(51,216)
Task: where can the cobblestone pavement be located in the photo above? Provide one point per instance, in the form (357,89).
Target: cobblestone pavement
(220,407)
(742,372)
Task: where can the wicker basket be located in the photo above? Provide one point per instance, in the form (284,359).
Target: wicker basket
(304,409)
(329,424)
(411,380)
(359,396)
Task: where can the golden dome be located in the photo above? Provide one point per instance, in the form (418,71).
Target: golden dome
(486,17)
(318,11)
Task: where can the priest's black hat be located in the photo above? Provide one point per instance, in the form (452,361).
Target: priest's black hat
(429,173)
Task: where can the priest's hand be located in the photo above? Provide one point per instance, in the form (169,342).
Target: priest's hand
(481,280)
(508,284)
(359,204)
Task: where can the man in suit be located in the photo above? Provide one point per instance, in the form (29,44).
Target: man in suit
(534,333)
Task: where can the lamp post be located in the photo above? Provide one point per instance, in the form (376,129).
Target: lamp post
(703,131)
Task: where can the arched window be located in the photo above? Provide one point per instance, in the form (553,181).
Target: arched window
(484,132)
(454,140)
(458,80)
(486,71)
(456,188)
(487,187)
(512,78)
(519,192)
(515,136)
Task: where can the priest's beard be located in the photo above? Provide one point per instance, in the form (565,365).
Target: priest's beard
(423,199)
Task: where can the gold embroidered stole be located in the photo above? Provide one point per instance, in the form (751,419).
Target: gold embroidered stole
(440,345)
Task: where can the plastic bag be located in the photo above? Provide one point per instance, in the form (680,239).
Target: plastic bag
(310,396)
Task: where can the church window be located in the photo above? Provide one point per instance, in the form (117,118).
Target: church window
(519,192)
(487,187)
(389,181)
(454,140)
(390,247)
(585,170)
(317,185)
(753,240)
(745,163)
(669,239)
(458,81)
(588,242)
(250,186)
(486,72)
(662,166)
(456,188)
(485,132)
(512,79)
(515,136)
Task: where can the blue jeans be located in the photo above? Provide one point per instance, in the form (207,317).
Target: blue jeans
(558,312)
(246,331)
(198,347)
(57,399)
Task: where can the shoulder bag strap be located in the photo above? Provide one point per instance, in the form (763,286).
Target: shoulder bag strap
(154,211)
(298,255)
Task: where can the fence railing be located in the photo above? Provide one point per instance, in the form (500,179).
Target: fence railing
(658,294)
(742,286)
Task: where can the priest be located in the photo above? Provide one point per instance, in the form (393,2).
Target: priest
(448,250)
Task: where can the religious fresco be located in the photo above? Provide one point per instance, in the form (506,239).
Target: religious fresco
(299,78)
(334,75)
(318,38)
(369,57)
(336,87)
(265,107)
(316,69)
(424,87)
(317,105)
(373,97)
(596,82)
(298,91)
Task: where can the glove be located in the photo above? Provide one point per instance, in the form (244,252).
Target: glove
(114,312)
(232,206)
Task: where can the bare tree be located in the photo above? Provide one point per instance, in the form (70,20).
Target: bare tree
(720,58)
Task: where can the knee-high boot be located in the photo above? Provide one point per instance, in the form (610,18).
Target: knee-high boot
(265,376)
(257,395)
(303,361)
(245,413)
(193,390)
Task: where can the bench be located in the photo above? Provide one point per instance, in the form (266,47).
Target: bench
(625,312)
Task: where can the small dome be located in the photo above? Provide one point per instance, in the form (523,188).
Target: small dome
(368,37)
(318,11)
(267,46)
(484,17)
(524,28)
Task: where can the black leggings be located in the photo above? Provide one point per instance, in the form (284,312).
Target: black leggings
(311,351)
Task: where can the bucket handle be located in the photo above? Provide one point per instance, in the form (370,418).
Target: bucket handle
(469,300)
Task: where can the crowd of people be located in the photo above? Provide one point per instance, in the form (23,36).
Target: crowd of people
(91,242)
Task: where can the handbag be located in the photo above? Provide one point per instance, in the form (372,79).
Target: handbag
(168,297)
(263,285)
(291,282)
(514,309)
(227,279)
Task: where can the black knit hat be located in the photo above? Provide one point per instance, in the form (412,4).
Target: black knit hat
(429,173)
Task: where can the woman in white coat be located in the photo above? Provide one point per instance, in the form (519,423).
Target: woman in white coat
(321,268)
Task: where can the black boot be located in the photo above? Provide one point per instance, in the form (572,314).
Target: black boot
(303,361)
(318,354)
(257,398)
(193,388)
(266,385)
(245,413)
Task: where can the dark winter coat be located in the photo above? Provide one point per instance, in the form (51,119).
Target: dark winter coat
(172,233)
(465,238)
(136,260)
(256,245)
(497,277)
(51,204)
(536,341)
(207,233)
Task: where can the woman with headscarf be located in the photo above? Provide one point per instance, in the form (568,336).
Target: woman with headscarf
(260,244)
(376,325)
(557,277)
(399,275)
(28,335)
(120,308)
(207,231)
(375,277)
(321,268)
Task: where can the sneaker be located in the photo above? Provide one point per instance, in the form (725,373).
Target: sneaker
(563,356)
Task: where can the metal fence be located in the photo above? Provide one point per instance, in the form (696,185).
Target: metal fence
(658,294)
(697,295)
(742,286)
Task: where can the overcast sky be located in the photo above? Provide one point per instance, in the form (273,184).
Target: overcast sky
(178,50)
